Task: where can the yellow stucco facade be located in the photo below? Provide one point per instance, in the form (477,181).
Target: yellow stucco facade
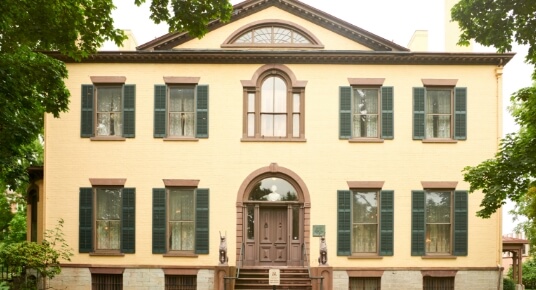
(324,162)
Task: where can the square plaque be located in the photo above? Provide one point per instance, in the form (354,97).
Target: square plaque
(319,230)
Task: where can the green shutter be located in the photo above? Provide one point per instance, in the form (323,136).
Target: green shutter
(160,111)
(387,113)
(418,223)
(129,114)
(345,112)
(418,113)
(202,112)
(202,221)
(460,113)
(344,223)
(128,221)
(159,220)
(85,233)
(460,223)
(86,120)
(386,222)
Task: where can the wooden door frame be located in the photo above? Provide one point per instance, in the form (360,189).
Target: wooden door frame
(304,201)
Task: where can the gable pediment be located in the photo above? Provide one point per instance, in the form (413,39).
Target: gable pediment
(243,10)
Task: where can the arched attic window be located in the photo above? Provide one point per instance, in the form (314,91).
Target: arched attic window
(272,33)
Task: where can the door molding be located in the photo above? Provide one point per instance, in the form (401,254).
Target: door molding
(273,170)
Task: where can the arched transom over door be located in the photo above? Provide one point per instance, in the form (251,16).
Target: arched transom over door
(271,210)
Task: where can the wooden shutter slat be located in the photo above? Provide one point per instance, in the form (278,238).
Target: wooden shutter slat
(386,222)
(344,222)
(160,111)
(460,223)
(128,221)
(129,114)
(159,220)
(387,113)
(460,113)
(418,223)
(86,120)
(345,112)
(202,221)
(202,112)
(85,234)
(418,114)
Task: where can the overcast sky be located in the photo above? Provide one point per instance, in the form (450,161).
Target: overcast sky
(393,20)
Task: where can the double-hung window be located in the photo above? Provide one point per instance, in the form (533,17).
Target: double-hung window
(108,109)
(107,219)
(439,111)
(366,110)
(365,221)
(180,218)
(274,106)
(439,222)
(181,109)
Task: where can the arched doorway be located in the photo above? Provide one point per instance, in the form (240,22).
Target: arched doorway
(272,219)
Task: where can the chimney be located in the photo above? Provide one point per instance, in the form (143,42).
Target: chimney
(452,31)
(130,43)
(419,41)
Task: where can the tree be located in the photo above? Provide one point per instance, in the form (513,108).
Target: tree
(497,23)
(529,273)
(32,83)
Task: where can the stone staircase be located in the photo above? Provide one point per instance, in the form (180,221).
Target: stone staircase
(257,279)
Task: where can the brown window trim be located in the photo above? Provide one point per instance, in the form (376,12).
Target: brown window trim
(447,256)
(365,140)
(447,141)
(184,255)
(294,86)
(170,80)
(106,138)
(190,183)
(108,80)
(180,139)
(366,82)
(450,185)
(376,185)
(100,253)
(439,82)
(107,181)
(438,273)
(363,256)
(106,270)
(365,273)
(180,271)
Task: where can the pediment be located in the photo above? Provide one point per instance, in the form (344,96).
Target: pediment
(256,13)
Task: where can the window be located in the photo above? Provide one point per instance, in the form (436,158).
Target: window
(181,109)
(181,282)
(439,222)
(365,222)
(107,220)
(106,281)
(108,109)
(180,220)
(438,283)
(366,112)
(439,111)
(274,107)
(365,283)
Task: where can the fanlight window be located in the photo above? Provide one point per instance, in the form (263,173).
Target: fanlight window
(272,35)
(273,189)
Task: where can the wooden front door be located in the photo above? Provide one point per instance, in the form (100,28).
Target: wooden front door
(273,238)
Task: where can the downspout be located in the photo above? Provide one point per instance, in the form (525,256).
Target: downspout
(498,120)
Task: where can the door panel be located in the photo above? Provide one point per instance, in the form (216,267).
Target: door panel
(273,240)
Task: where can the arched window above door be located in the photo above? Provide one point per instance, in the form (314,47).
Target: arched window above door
(273,189)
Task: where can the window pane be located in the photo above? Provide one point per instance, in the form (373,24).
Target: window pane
(251,124)
(181,215)
(365,116)
(365,283)
(273,189)
(282,35)
(295,223)
(295,103)
(438,238)
(366,126)
(267,96)
(280,125)
(262,35)
(365,207)
(251,102)
(108,219)
(364,238)
(251,223)
(296,125)
(438,126)
(438,101)
(109,110)
(245,38)
(181,111)
(267,125)
(438,207)
(280,95)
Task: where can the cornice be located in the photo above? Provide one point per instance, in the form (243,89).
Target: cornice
(293,57)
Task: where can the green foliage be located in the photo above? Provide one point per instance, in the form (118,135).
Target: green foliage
(497,23)
(44,258)
(508,284)
(189,15)
(529,274)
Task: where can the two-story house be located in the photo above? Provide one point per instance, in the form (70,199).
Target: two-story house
(311,145)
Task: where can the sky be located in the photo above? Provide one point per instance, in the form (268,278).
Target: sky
(397,24)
